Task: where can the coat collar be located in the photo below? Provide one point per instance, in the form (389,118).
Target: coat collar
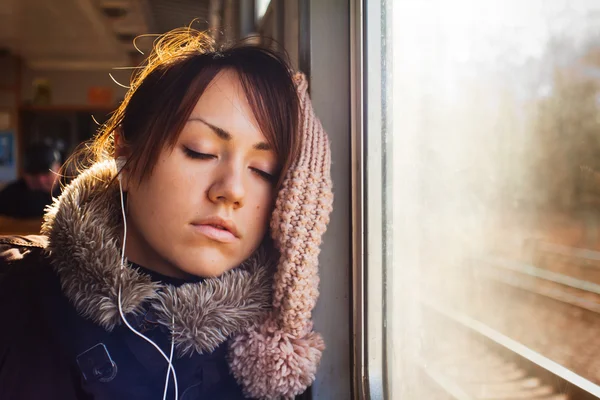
(84,228)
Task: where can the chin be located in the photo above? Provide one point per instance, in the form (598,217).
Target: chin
(209,272)
(208,265)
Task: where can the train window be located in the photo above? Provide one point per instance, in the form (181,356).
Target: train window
(481,199)
(261,8)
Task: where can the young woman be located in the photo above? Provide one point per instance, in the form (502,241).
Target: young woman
(182,261)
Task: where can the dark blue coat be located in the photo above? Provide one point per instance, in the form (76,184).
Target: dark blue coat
(48,351)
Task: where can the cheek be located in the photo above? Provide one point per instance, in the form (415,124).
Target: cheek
(260,212)
(260,216)
(165,196)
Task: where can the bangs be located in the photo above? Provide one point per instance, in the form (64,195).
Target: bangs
(164,92)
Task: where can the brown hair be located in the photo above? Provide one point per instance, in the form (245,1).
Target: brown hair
(164,91)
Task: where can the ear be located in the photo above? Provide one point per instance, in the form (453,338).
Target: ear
(121,146)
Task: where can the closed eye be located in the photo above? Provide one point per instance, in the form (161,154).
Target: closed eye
(203,156)
(265,175)
(198,156)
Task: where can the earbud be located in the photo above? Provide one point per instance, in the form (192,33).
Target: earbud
(120,161)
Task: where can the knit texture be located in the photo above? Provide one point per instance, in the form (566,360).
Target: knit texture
(279,358)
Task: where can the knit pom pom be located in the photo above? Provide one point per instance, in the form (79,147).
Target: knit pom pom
(272,364)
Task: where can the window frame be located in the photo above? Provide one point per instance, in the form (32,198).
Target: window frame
(368,199)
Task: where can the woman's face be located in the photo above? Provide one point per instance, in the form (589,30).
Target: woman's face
(206,206)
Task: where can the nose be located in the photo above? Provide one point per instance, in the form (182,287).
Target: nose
(228,187)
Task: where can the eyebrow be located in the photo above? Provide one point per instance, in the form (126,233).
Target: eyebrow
(223,134)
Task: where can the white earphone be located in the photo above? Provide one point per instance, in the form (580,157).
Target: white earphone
(120,162)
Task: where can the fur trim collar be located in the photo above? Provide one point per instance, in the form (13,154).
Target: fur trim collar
(84,228)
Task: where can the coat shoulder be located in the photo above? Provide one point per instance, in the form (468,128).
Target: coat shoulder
(21,251)
(24,269)
(28,346)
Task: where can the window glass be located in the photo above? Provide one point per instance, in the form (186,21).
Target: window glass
(261,8)
(483,198)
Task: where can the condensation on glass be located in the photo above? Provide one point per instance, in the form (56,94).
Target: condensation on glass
(482,191)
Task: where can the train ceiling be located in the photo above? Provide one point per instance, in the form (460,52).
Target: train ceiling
(89,34)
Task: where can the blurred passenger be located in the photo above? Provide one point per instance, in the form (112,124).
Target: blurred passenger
(190,241)
(29,196)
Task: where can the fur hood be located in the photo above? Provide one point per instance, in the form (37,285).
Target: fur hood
(84,230)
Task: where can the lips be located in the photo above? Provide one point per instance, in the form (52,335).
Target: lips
(217,229)
(217,234)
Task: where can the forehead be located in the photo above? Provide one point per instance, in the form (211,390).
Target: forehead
(225,104)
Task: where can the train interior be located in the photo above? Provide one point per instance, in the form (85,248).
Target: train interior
(462,260)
